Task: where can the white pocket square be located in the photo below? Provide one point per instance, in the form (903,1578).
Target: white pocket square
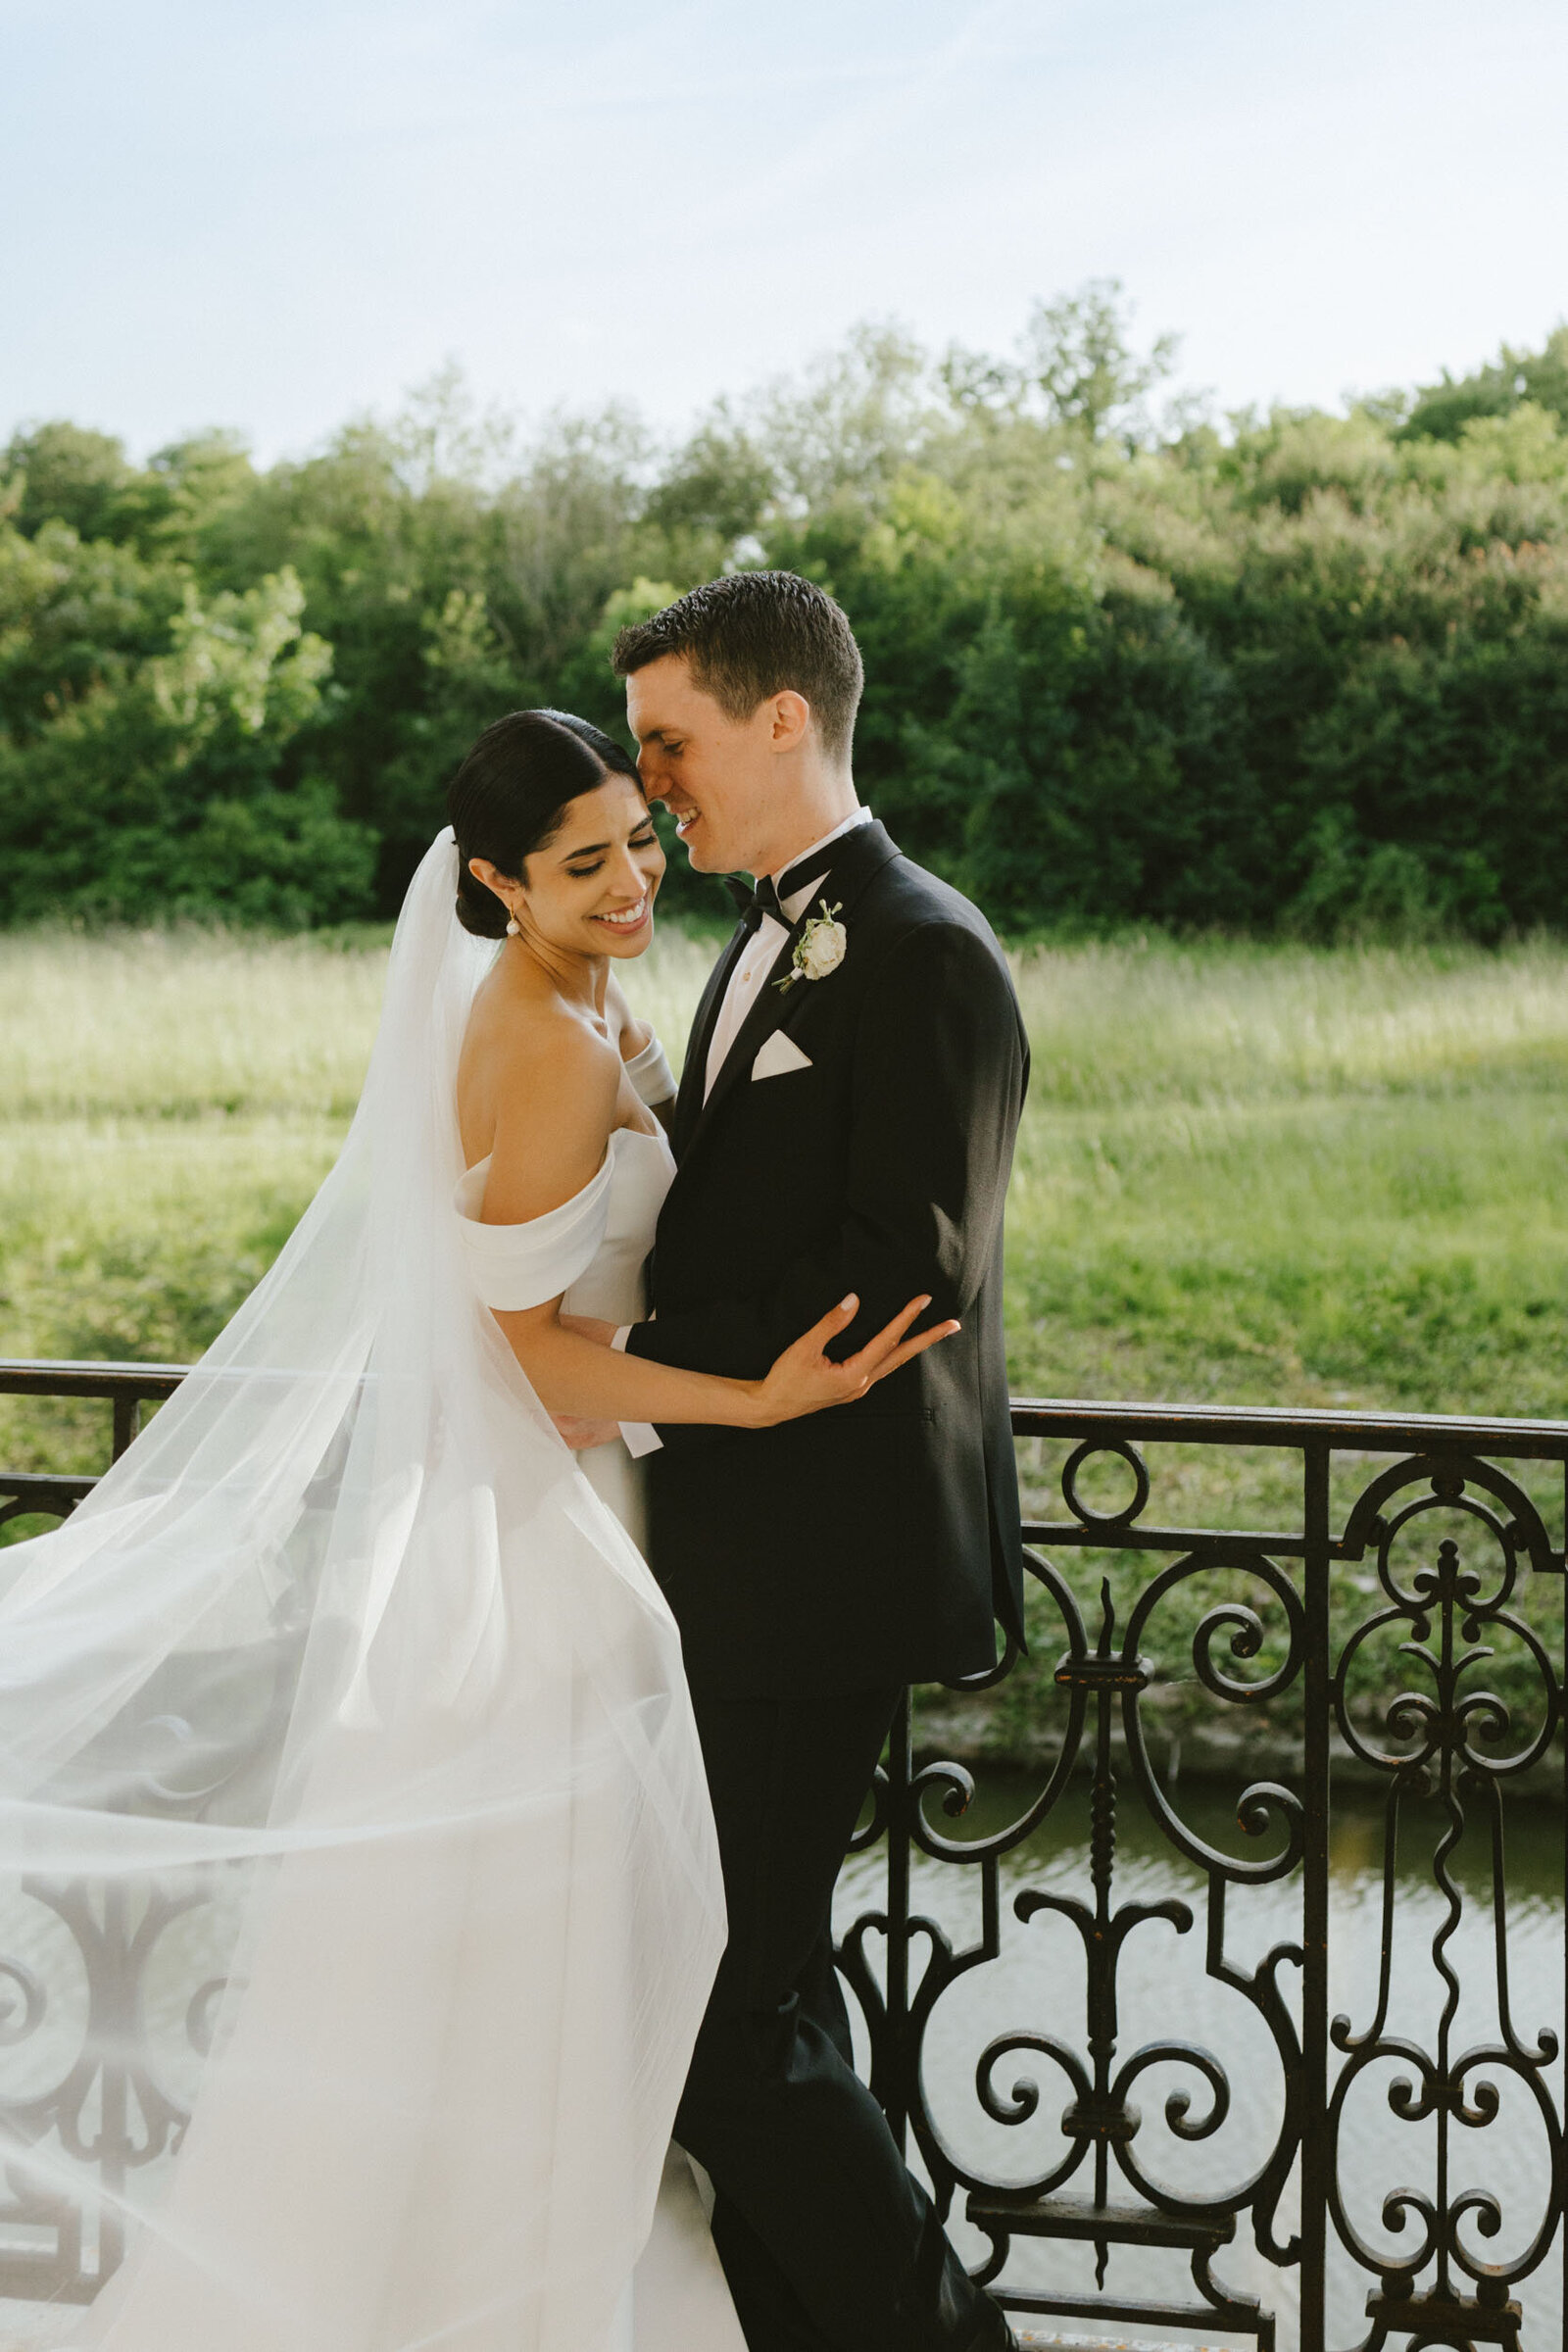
(778,1054)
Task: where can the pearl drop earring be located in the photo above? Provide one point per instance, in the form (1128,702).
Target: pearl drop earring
(513,927)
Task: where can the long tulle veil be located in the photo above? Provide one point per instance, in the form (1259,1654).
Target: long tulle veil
(364,1714)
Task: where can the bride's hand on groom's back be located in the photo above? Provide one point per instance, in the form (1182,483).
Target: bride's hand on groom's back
(804,1379)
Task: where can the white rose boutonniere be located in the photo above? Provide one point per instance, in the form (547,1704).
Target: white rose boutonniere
(820,948)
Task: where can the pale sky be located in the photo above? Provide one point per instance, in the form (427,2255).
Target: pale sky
(273,215)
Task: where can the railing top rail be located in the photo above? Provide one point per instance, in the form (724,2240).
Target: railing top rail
(43,1375)
(1285,1425)
(1032,1416)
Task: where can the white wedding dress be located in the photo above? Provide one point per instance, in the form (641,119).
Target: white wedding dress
(347,1704)
(593,1249)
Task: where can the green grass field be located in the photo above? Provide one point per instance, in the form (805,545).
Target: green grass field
(1251,1175)
(1276,1176)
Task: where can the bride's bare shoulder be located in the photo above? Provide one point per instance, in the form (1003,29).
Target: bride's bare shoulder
(550,1085)
(630,1032)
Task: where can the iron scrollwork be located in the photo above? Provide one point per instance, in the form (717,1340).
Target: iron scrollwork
(1450,1743)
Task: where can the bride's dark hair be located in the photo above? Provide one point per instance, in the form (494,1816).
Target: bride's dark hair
(509,797)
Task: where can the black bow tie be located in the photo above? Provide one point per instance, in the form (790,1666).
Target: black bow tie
(769,894)
(753,904)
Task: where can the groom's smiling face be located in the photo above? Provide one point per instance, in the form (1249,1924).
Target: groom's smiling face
(719,777)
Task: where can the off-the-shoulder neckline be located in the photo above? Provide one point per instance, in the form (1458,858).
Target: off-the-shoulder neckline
(647,1134)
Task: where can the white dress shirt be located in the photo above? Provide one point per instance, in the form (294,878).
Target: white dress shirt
(745,983)
(750,976)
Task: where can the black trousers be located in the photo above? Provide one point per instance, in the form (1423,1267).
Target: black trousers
(828,2242)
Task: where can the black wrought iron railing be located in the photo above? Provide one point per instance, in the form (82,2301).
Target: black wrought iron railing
(1333,1977)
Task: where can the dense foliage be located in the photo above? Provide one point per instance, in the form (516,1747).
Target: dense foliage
(1300,673)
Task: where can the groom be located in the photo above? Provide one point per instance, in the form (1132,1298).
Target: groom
(846,1121)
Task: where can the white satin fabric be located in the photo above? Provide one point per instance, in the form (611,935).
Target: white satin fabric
(347,1658)
(593,1250)
(590,1254)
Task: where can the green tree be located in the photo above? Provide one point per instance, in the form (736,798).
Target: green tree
(1302,673)
(167,790)
(64,474)
(1441,411)
(1076,364)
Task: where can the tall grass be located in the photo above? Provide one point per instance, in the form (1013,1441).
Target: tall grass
(182,1025)
(1278,1175)
(194,1023)
(1252,1173)
(1139,1024)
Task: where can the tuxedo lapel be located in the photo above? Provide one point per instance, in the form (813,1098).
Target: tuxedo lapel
(858,856)
(693,1077)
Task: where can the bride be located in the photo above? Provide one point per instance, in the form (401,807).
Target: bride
(348,1695)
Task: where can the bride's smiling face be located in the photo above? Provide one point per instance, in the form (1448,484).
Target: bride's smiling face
(589,890)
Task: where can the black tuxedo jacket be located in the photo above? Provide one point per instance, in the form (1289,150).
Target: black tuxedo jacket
(878,1541)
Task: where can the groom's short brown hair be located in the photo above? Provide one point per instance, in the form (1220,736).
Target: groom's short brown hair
(753,634)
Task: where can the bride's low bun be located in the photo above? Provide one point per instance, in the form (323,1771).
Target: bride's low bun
(480,911)
(509,797)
